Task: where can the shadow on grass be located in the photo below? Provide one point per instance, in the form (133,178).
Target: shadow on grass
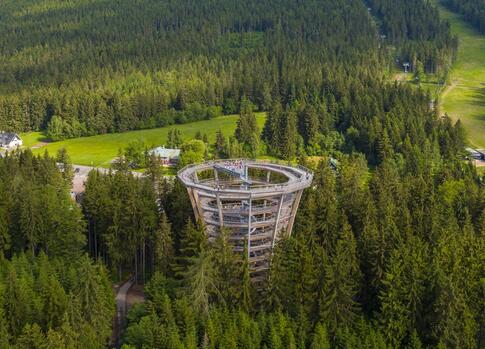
(44,139)
(479,99)
(40,141)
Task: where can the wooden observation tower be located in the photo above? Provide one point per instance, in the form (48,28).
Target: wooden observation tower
(255,201)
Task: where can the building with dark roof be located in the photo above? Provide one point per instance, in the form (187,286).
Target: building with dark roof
(10,140)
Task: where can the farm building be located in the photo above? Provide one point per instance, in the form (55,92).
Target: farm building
(167,156)
(10,140)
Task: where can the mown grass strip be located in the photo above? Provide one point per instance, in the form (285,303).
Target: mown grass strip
(102,149)
(464,98)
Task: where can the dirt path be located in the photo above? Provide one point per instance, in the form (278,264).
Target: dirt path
(448,89)
(134,296)
(480,163)
(401,77)
(39,145)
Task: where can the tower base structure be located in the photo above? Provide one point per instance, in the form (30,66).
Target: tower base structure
(255,201)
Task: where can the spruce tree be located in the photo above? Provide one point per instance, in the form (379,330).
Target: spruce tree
(18,301)
(454,324)
(289,135)
(247,131)
(192,242)
(200,283)
(326,205)
(93,290)
(226,264)
(4,335)
(31,337)
(221,146)
(338,308)
(30,217)
(419,72)
(246,293)
(404,287)
(154,170)
(53,296)
(308,123)
(414,341)
(163,245)
(385,149)
(320,338)
(5,239)
(66,165)
(272,129)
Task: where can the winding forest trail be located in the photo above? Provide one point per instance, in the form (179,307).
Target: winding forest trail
(464,97)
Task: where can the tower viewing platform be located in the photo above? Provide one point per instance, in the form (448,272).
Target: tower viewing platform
(256,201)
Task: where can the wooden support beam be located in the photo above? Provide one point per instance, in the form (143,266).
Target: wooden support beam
(198,205)
(249,225)
(277,222)
(195,204)
(294,209)
(219,209)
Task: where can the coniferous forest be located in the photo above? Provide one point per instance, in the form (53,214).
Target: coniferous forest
(52,295)
(388,248)
(417,31)
(87,67)
(473,11)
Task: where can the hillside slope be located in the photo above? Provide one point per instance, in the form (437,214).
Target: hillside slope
(464,99)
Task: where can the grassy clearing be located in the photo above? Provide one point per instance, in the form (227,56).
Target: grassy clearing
(100,150)
(32,139)
(430,82)
(464,98)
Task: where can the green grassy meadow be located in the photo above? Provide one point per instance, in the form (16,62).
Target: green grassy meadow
(32,139)
(100,150)
(464,98)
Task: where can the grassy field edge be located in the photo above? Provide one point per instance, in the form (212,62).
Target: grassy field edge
(464,97)
(100,150)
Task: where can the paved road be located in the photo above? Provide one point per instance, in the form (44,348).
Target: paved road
(121,298)
(121,308)
(479,163)
(81,175)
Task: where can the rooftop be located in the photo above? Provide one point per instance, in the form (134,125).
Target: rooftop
(7,137)
(166,152)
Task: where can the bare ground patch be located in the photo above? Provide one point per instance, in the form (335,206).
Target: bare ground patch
(135,295)
(39,145)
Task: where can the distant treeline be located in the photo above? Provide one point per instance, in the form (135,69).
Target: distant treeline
(109,67)
(473,11)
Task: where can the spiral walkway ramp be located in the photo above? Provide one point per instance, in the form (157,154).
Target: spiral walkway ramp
(256,201)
